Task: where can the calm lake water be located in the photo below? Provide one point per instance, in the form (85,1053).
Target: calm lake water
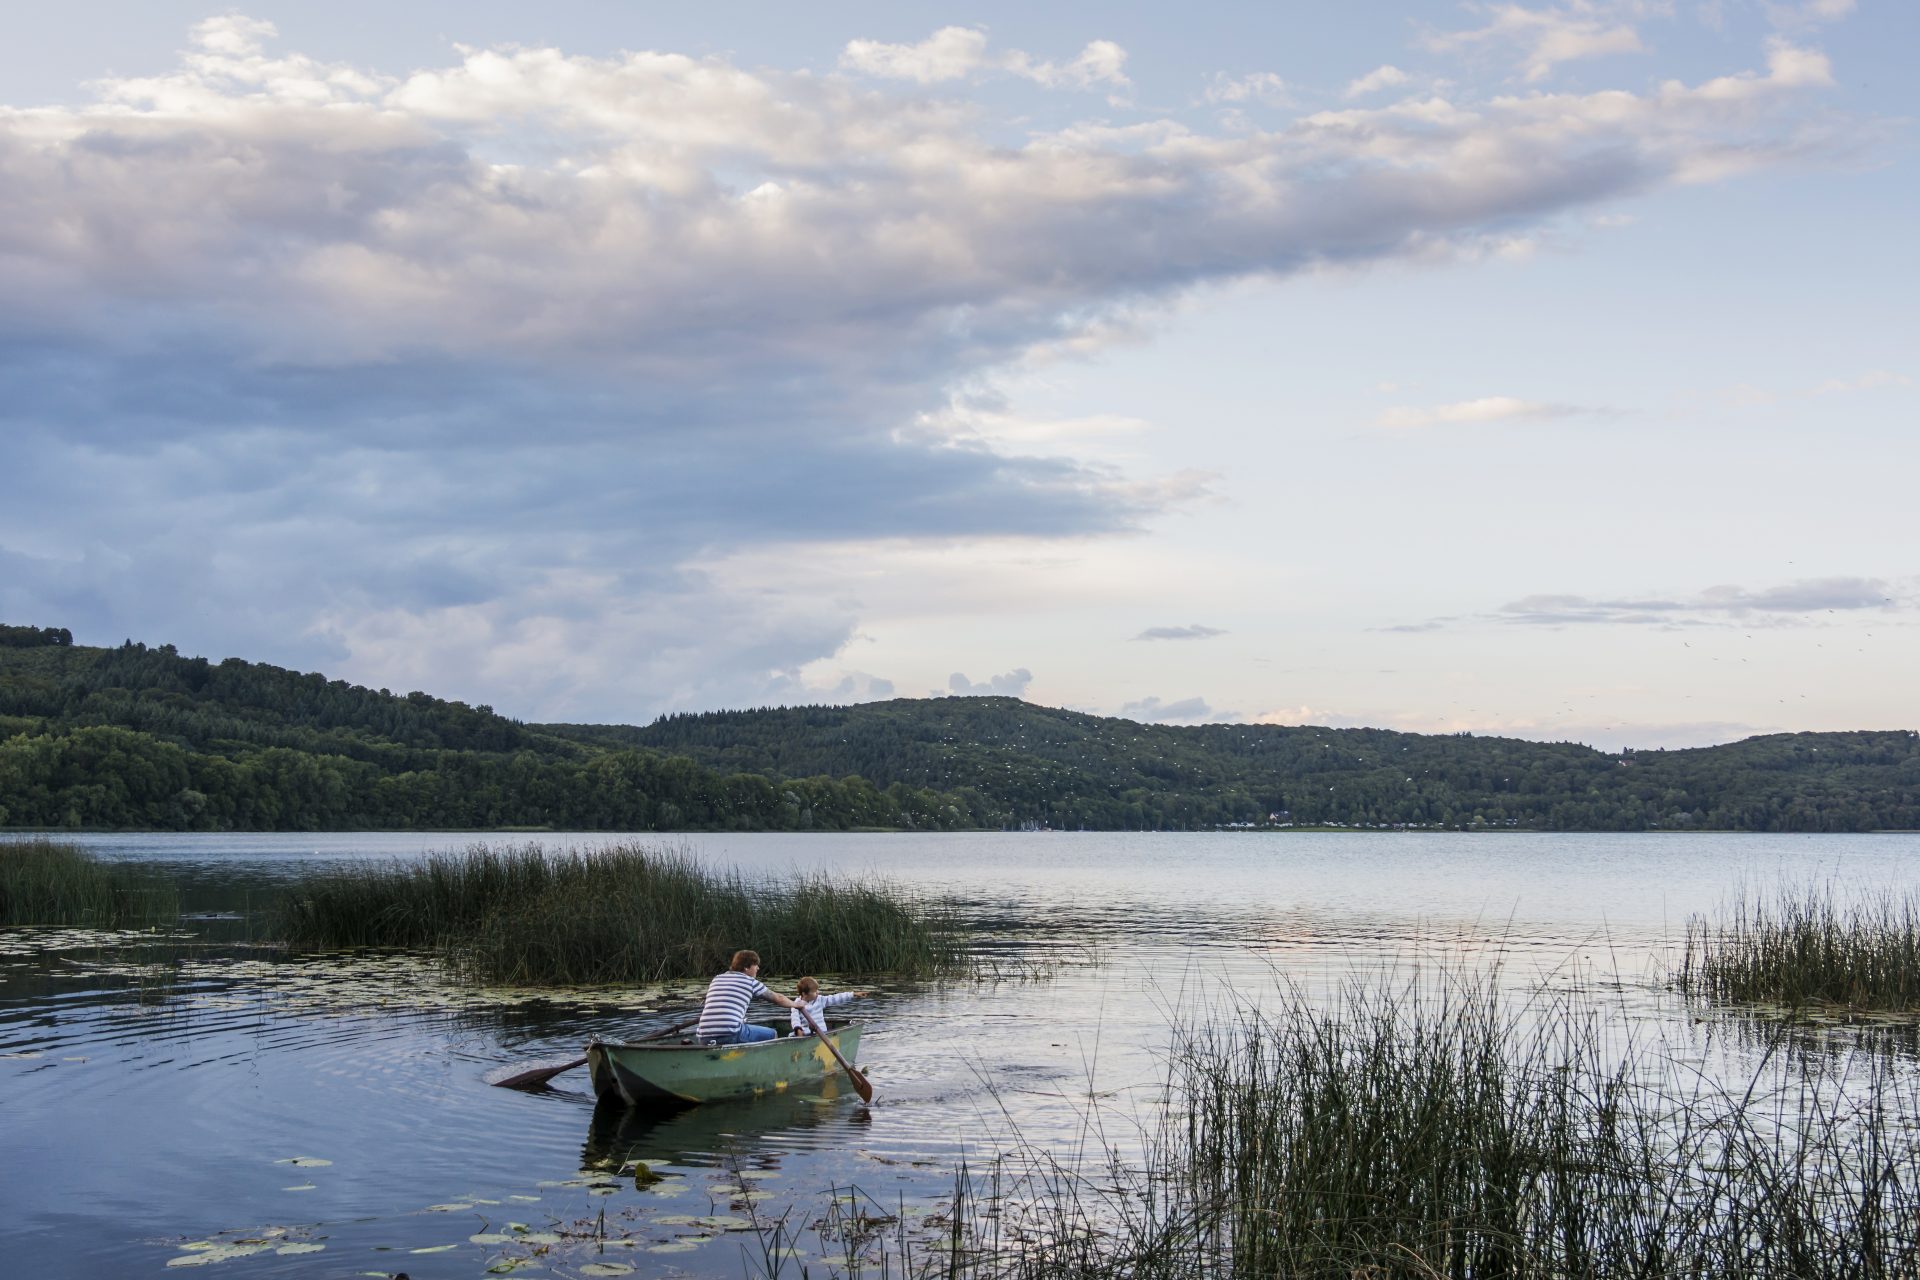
(336,1111)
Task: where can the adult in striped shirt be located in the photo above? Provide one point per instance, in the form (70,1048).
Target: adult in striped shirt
(723,1019)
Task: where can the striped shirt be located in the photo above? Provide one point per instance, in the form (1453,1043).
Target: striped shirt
(818,1007)
(728,996)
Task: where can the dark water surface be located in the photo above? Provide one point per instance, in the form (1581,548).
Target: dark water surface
(174,1109)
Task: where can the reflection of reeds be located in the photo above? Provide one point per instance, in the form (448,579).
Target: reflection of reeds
(620,914)
(47,882)
(1404,1133)
(1802,947)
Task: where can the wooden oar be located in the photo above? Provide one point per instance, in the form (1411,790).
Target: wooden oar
(540,1075)
(859,1081)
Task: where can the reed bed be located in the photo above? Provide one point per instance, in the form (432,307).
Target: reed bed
(1803,946)
(1400,1135)
(48,882)
(626,913)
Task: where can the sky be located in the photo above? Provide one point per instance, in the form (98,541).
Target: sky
(1540,369)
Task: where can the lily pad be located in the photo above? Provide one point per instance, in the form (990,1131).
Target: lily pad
(219,1253)
(508,1265)
(725,1221)
(539,1237)
(436,1248)
(606,1269)
(492,1237)
(305,1162)
(453,1207)
(679,1246)
(301,1186)
(300,1248)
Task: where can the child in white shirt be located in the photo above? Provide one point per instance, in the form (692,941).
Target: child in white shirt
(806,995)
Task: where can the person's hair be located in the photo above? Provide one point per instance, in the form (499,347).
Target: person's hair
(807,987)
(744,960)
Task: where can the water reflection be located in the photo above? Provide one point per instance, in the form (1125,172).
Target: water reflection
(753,1134)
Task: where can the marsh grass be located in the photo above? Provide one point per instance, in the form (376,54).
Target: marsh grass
(1409,1133)
(524,915)
(48,882)
(1802,947)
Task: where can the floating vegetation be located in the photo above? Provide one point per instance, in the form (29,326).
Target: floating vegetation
(1802,947)
(203,1253)
(46,882)
(524,915)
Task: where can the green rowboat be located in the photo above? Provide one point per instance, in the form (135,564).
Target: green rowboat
(687,1071)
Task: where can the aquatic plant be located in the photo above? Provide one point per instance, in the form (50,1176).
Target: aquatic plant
(1802,946)
(627,913)
(48,882)
(421,903)
(1408,1134)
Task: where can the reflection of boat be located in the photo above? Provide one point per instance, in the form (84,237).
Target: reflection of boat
(686,1071)
(757,1134)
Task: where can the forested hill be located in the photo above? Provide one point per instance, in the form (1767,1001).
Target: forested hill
(135,736)
(143,737)
(1066,769)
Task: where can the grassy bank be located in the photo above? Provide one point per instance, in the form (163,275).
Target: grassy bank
(45,882)
(620,914)
(1403,1135)
(1802,946)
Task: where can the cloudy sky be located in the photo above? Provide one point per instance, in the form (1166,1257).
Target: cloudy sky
(1537,368)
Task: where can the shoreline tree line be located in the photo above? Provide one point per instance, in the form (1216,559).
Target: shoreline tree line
(143,737)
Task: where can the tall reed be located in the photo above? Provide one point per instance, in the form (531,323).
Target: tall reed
(415,903)
(47,882)
(1802,946)
(621,914)
(1401,1135)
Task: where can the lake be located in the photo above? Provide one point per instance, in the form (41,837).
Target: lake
(235,1109)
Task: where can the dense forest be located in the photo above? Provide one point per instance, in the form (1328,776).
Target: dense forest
(1070,770)
(142,737)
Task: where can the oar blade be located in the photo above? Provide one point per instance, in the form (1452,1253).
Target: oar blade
(860,1085)
(538,1076)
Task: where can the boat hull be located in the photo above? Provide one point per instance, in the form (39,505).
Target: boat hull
(675,1074)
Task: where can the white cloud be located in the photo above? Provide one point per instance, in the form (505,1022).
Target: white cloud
(1545,38)
(1484,409)
(1194,632)
(1747,396)
(1875,380)
(1261,86)
(1807,596)
(955,53)
(950,53)
(1386,77)
(400,373)
(1152,710)
(1010,684)
(1808,13)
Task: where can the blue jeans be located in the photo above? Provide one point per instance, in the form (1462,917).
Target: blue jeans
(749,1033)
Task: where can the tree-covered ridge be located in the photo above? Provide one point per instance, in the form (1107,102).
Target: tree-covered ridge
(143,737)
(1068,769)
